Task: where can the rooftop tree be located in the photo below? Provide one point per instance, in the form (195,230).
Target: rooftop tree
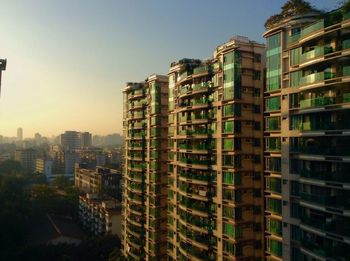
(289,9)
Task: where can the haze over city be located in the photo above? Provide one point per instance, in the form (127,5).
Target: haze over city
(68,61)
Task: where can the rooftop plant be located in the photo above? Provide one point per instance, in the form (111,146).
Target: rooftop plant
(289,9)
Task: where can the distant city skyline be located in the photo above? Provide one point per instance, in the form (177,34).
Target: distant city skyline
(67,62)
(36,133)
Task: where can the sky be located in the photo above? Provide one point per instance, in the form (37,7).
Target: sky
(68,61)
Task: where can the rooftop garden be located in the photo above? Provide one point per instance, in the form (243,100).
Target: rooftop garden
(289,9)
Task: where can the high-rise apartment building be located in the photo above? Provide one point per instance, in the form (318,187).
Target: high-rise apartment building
(215,168)
(3,63)
(144,222)
(70,140)
(307,155)
(85,139)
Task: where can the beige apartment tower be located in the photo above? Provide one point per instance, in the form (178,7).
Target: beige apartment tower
(307,137)
(144,213)
(215,144)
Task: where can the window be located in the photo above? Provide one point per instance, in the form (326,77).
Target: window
(256,75)
(257,58)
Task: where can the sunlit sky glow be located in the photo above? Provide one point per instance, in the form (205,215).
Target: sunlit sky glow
(68,60)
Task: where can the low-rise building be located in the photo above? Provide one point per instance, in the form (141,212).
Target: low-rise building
(98,181)
(44,166)
(100,216)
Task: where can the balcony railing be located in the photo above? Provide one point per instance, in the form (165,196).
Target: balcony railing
(312,28)
(316,102)
(322,150)
(198,176)
(317,52)
(318,199)
(341,176)
(316,77)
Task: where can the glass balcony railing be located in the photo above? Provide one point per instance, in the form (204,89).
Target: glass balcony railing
(312,28)
(201,69)
(316,77)
(317,52)
(200,86)
(274,226)
(273,144)
(292,38)
(202,101)
(273,184)
(274,247)
(341,176)
(316,102)
(199,176)
(195,161)
(318,199)
(325,125)
(274,205)
(200,222)
(273,124)
(346,70)
(337,252)
(346,44)
(318,149)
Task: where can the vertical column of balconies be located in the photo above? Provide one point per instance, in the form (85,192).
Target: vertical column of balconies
(156,180)
(272,155)
(195,112)
(240,171)
(319,137)
(311,135)
(134,230)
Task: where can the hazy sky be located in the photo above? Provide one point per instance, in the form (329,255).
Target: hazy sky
(68,60)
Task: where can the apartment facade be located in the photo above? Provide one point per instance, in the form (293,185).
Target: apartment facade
(101,216)
(307,156)
(215,168)
(27,158)
(98,181)
(144,205)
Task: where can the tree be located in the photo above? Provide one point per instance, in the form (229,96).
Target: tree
(62,182)
(10,167)
(289,9)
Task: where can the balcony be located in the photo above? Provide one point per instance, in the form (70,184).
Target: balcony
(200,222)
(319,199)
(200,238)
(326,176)
(274,226)
(316,78)
(325,125)
(312,28)
(274,247)
(273,144)
(201,69)
(201,86)
(336,226)
(201,206)
(196,252)
(208,177)
(274,206)
(273,124)
(324,150)
(316,102)
(291,39)
(195,161)
(336,252)
(273,185)
(319,51)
